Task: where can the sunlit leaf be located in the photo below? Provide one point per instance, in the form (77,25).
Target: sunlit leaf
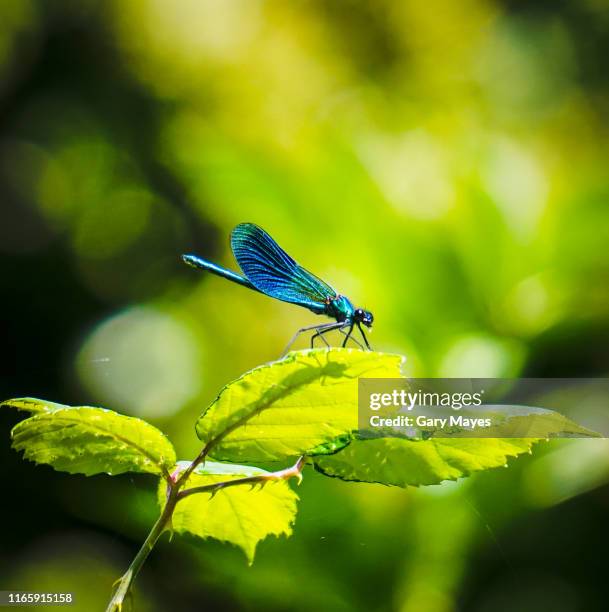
(506,421)
(303,404)
(33,405)
(400,462)
(240,515)
(532,422)
(397,460)
(85,440)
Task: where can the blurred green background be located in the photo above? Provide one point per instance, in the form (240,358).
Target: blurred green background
(443,164)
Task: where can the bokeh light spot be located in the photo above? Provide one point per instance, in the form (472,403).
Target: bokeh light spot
(412,172)
(142,361)
(480,356)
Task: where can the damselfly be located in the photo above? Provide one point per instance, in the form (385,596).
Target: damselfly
(267,268)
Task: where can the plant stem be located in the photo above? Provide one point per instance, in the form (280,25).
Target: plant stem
(292,472)
(174,495)
(184,476)
(124,583)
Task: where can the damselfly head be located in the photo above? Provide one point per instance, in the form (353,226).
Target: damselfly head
(363,316)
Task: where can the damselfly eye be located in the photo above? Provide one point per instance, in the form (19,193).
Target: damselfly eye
(363,316)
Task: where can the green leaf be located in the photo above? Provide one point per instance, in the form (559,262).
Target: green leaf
(303,404)
(384,457)
(84,440)
(33,405)
(400,462)
(531,422)
(507,421)
(240,515)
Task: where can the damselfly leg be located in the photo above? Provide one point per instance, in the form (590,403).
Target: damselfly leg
(318,328)
(361,331)
(324,330)
(350,337)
